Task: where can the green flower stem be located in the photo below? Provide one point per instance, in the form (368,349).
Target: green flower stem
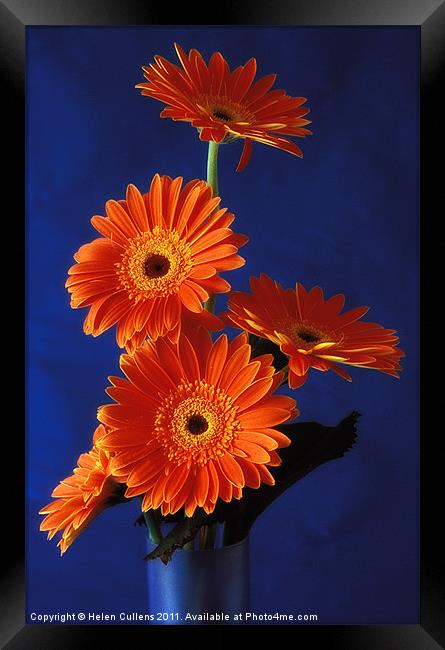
(153,526)
(207,536)
(211,535)
(203,537)
(212,167)
(212,180)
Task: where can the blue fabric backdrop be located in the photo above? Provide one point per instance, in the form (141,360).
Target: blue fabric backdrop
(342,543)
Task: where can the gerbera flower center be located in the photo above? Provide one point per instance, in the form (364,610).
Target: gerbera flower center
(223,115)
(225,109)
(308,335)
(155,264)
(305,334)
(196,422)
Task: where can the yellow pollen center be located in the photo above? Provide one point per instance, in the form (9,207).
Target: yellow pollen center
(196,422)
(154,264)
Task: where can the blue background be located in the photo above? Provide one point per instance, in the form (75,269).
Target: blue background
(342,543)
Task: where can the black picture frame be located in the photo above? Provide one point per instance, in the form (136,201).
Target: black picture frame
(429,17)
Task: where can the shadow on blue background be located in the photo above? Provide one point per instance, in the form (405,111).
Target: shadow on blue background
(342,543)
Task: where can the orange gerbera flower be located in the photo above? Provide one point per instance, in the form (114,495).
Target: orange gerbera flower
(312,331)
(225,105)
(194,421)
(160,254)
(80,497)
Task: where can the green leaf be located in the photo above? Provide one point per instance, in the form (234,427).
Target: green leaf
(313,444)
(180,535)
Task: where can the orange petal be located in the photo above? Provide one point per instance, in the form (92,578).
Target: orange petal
(266,476)
(169,361)
(138,416)
(275,460)
(253,452)
(189,299)
(250,472)
(244,378)
(124,437)
(259,439)
(155,201)
(137,208)
(280,438)
(215,284)
(176,480)
(254,393)
(231,470)
(213,491)
(201,486)
(216,360)
(225,491)
(295,381)
(157,492)
(120,217)
(238,360)
(190,505)
(203,271)
(148,469)
(263,417)
(188,358)
(245,155)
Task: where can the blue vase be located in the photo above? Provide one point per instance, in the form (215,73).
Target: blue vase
(201,587)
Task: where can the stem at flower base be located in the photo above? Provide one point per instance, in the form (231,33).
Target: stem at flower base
(207,536)
(212,180)
(153,527)
(203,536)
(211,535)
